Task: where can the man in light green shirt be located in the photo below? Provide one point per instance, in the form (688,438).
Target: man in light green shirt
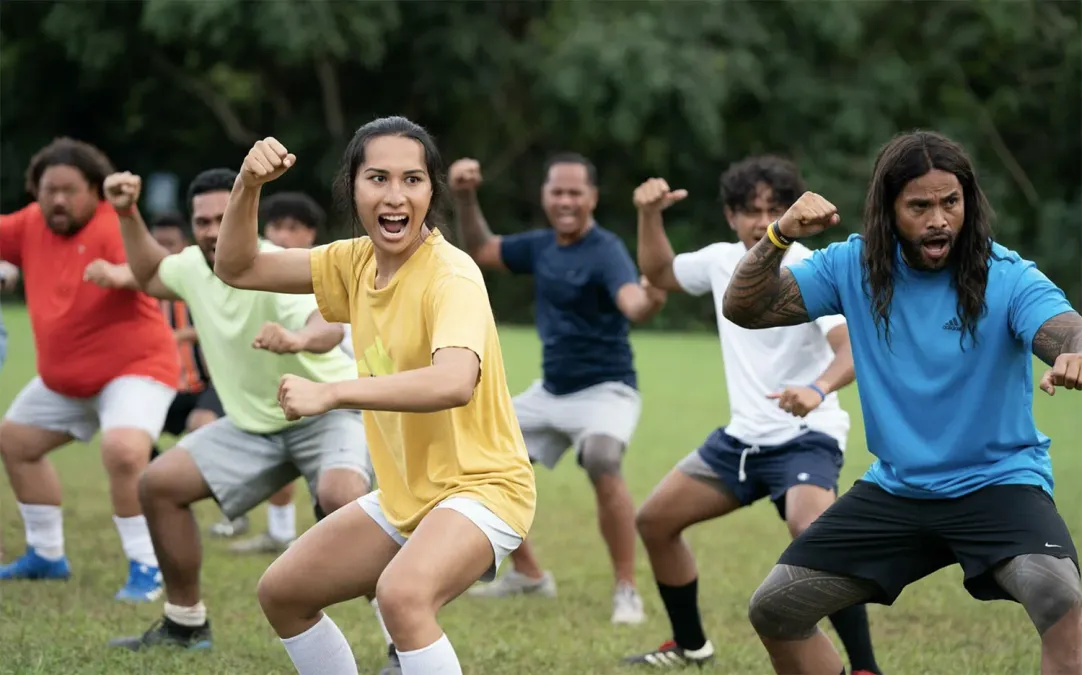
(249,339)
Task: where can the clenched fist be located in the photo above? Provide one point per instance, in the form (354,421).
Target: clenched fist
(299,397)
(278,339)
(105,274)
(655,195)
(1066,372)
(267,160)
(465,175)
(122,189)
(810,215)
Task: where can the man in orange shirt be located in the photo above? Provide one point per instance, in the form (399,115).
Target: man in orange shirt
(105,359)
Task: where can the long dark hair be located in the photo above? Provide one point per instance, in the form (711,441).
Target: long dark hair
(908,157)
(353,159)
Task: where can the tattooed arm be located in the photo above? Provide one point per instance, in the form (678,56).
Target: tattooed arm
(762,294)
(1062,334)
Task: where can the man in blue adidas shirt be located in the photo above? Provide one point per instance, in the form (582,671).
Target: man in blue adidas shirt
(587,290)
(942,322)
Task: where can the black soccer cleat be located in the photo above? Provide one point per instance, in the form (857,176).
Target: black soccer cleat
(671,655)
(166,633)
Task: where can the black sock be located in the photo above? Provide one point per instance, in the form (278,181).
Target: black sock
(682,604)
(852,626)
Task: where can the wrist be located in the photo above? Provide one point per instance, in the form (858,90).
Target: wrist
(777,237)
(125,211)
(822,388)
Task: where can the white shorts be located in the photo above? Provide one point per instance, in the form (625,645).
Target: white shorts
(551,424)
(504,540)
(128,402)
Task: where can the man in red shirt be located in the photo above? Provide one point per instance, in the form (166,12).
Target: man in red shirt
(105,358)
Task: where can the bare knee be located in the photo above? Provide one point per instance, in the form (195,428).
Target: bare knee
(172,479)
(654,526)
(1046,586)
(22,443)
(339,487)
(601,456)
(404,605)
(125,452)
(276,593)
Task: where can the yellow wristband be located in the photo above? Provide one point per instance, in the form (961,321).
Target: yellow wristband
(777,238)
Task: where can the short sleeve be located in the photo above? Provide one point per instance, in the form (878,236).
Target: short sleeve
(12,231)
(694,271)
(173,270)
(459,314)
(1034,300)
(617,269)
(817,278)
(329,264)
(825,323)
(517,251)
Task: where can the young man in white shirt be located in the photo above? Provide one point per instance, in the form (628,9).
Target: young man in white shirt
(786,431)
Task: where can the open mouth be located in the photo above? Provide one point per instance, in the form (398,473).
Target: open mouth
(393,226)
(936,247)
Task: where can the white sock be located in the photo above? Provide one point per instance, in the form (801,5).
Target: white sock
(282,522)
(192,617)
(438,658)
(135,538)
(382,626)
(321,650)
(44,525)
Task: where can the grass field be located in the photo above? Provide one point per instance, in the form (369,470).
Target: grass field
(934,627)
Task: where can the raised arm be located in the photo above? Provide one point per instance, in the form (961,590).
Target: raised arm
(143,253)
(238,260)
(464,177)
(762,294)
(655,254)
(1058,343)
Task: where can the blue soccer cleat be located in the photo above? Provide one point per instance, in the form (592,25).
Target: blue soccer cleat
(32,566)
(144,584)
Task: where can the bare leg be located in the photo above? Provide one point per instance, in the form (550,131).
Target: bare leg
(601,458)
(786,609)
(167,490)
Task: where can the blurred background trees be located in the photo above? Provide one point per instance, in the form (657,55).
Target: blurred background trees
(644,88)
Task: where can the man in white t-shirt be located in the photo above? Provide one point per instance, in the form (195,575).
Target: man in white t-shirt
(786,431)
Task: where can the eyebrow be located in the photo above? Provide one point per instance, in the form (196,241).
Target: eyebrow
(374,169)
(916,201)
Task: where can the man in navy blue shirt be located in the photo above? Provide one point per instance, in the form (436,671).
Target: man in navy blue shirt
(587,290)
(942,322)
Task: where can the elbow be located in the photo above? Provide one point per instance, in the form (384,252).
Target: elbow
(736,314)
(458,394)
(232,274)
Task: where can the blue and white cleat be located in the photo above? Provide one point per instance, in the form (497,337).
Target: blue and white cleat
(32,566)
(144,584)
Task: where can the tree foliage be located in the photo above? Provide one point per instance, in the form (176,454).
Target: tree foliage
(645,88)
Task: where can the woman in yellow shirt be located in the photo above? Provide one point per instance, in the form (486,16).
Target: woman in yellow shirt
(456,490)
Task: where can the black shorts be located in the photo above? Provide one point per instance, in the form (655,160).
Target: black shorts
(752,472)
(893,541)
(176,421)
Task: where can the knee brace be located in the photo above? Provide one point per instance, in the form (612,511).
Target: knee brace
(601,456)
(792,600)
(1048,587)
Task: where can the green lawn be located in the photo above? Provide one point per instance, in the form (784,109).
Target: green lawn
(934,627)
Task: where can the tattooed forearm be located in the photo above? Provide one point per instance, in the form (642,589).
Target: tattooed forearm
(761,293)
(1061,334)
(472,229)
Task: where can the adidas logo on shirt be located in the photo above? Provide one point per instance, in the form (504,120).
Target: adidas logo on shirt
(953,324)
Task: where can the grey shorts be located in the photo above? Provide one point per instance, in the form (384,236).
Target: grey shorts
(552,424)
(244,469)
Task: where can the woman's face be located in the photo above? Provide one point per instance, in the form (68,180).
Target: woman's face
(392,192)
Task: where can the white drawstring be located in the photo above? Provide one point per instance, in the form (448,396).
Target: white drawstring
(743,458)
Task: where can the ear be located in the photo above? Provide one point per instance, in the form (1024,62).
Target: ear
(729,217)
